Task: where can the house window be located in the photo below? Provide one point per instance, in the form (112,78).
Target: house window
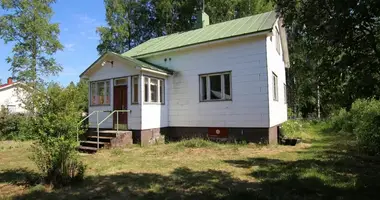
(154,90)
(135,89)
(278,41)
(285,95)
(275,87)
(215,86)
(11,108)
(100,93)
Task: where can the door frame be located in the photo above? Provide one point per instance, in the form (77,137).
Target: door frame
(114,121)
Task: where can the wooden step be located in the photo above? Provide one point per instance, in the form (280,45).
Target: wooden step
(87,148)
(94,142)
(100,137)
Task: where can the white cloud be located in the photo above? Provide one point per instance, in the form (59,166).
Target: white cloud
(69,46)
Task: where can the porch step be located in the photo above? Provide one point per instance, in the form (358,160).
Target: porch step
(101,137)
(94,142)
(88,149)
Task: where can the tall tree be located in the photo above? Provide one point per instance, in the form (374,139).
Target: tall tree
(341,42)
(27,24)
(132,22)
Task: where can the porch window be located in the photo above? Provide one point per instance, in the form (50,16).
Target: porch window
(215,86)
(154,90)
(100,93)
(135,89)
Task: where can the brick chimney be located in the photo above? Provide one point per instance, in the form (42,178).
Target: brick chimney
(10,81)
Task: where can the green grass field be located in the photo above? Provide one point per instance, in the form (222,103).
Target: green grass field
(328,167)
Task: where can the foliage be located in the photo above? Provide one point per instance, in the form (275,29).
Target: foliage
(335,46)
(298,129)
(366,123)
(27,24)
(196,143)
(342,121)
(133,22)
(14,126)
(56,119)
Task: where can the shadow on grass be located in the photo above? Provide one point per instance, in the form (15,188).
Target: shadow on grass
(182,183)
(330,169)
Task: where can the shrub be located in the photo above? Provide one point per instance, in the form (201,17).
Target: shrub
(196,143)
(342,121)
(55,120)
(366,124)
(297,129)
(14,126)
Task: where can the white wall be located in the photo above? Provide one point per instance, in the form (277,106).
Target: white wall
(9,96)
(277,109)
(120,69)
(245,57)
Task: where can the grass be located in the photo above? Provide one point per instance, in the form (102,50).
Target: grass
(327,168)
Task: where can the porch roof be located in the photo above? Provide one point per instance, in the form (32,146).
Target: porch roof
(140,63)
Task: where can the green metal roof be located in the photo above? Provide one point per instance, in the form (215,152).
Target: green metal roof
(140,63)
(228,29)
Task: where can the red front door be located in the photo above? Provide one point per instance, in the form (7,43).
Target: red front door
(120,103)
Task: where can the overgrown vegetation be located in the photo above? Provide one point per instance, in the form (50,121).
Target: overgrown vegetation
(363,120)
(14,126)
(329,168)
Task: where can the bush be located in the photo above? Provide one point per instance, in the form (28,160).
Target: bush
(342,121)
(366,124)
(55,121)
(196,143)
(14,126)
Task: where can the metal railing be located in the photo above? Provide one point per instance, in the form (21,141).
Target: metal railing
(88,116)
(117,123)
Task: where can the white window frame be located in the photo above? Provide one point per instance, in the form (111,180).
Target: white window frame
(275,86)
(125,83)
(159,92)
(285,95)
(133,95)
(104,94)
(278,41)
(208,92)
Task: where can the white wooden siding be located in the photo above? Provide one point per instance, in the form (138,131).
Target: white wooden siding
(245,58)
(119,69)
(277,109)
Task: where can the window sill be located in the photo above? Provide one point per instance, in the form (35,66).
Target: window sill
(215,100)
(100,105)
(135,103)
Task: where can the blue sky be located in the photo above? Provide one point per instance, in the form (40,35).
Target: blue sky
(77,20)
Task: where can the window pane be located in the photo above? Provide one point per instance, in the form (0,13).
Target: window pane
(227,86)
(100,93)
(275,87)
(135,94)
(107,93)
(153,90)
(93,94)
(215,87)
(146,89)
(204,88)
(162,91)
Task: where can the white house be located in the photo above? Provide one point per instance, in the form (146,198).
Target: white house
(9,98)
(224,80)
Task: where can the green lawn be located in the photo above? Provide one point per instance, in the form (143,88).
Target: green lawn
(327,168)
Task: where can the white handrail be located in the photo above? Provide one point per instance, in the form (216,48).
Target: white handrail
(117,122)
